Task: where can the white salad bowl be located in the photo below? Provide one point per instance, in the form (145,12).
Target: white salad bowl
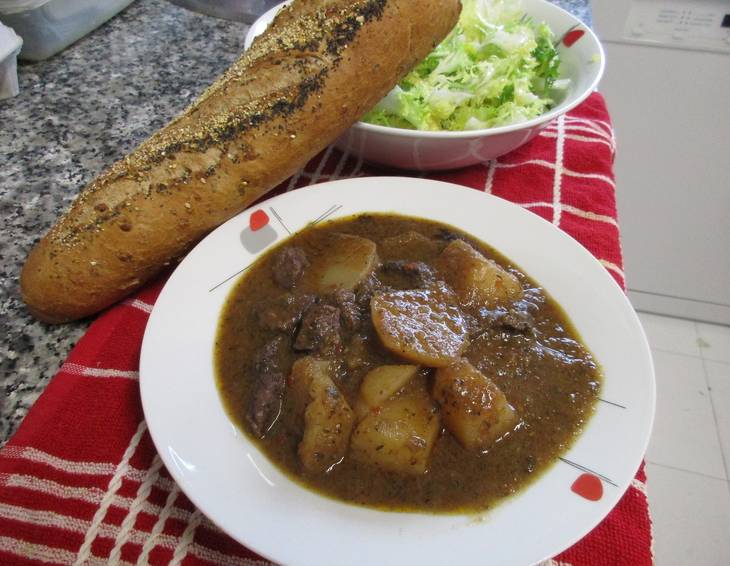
(582,63)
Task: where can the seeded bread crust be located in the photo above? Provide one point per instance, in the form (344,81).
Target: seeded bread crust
(312,74)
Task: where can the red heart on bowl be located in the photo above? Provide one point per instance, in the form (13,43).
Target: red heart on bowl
(572,36)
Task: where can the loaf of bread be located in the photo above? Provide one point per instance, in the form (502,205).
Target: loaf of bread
(311,75)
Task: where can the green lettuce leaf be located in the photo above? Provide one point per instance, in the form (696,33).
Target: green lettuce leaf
(495,68)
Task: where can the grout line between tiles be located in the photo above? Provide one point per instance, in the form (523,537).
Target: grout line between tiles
(716,361)
(704,350)
(699,347)
(698,341)
(695,328)
(709,477)
(654,349)
(675,317)
(724,456)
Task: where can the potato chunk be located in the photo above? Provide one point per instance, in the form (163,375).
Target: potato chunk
(473,408)
(328,419)
(476,279)
(383,382)
(304,372)
(409,245)
(424,326)
(328,423)
(380,384)
(400,436)
(348,260)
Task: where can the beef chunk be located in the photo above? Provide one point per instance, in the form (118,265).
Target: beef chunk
(517,321)
(366,289)
(346,301)
(288,267)
(513,320)
(266,402)
(285,312)
(270,358)
(519,318)
(320,330)
(412,273)
(269,387)
(448,235)
(356,353)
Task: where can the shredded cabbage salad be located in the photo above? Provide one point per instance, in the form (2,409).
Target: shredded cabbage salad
(495,68)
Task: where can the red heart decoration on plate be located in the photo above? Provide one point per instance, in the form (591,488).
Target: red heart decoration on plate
(258,220)
(588,486)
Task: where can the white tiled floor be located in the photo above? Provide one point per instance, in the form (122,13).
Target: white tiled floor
(688,461)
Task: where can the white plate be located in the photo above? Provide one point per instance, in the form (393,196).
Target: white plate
(235,485)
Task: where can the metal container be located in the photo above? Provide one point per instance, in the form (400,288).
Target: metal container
(240,10)
(49,26)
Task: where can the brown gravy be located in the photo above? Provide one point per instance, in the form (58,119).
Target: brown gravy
(546,374)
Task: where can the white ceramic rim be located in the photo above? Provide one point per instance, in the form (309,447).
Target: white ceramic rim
(307,512)
(479,133)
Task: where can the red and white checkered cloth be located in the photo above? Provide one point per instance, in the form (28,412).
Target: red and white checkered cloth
(81,482)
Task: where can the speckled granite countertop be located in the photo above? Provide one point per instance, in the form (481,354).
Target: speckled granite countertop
(76,114)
